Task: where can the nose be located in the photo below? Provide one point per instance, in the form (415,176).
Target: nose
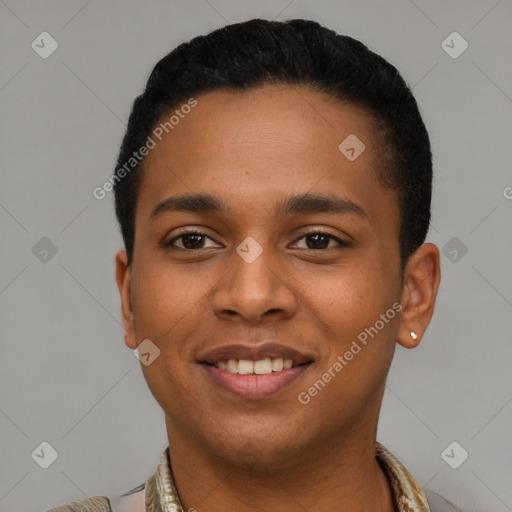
(252,290)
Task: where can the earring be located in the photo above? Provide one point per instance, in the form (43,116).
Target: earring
(413,335)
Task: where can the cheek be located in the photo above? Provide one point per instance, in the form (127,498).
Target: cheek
(167,297)
(355,308)
(170,303)
(350,297)
(359,345)
(167,304)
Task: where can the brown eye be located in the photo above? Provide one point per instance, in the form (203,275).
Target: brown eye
(318,240)
(190,240)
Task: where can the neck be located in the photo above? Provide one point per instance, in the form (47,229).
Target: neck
(340,474)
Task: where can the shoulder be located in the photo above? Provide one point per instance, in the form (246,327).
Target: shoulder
(94,504)
(132,501)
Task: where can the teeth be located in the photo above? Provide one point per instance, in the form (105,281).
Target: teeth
(277,364)
(260,367)
(263,367)
(232,366)
(245,367)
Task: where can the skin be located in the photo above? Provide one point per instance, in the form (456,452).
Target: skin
(254,149)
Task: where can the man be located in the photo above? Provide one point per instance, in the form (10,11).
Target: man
(273,190)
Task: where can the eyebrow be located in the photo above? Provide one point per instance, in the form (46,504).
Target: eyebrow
(297,204)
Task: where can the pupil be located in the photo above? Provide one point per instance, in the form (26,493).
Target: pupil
(195,238)
(316,238)
(319,241)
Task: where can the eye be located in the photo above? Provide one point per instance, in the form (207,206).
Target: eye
(316,240)
(195,240)
(189,240)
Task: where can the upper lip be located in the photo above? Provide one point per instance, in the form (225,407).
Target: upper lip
(253,352)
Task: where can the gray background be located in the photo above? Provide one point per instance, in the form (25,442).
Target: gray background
(67,377)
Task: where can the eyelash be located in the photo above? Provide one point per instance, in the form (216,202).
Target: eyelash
(170,243)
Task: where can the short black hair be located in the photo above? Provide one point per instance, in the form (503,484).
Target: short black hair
(296,52)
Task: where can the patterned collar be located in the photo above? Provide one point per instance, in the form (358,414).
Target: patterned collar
(161,494)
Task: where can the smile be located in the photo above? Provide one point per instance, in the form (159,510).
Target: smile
(260,367)
(253,371)
(241,377)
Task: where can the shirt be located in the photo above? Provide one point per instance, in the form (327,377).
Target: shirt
(159,494)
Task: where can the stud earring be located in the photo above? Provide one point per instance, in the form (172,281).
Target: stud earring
(413,335)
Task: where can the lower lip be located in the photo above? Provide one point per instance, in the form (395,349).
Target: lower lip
(255,386)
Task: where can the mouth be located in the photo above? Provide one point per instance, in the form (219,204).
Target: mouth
(249,367)
(254,372)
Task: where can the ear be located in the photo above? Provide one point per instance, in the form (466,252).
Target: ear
(421,281)
(123,278)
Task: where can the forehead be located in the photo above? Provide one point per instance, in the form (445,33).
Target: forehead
(257,145)
(282,117)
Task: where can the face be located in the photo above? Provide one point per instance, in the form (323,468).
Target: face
(286,253)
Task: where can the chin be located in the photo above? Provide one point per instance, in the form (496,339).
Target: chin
(254,455)
(252,450)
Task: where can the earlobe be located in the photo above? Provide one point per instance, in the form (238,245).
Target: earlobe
(421,282)
(123,279)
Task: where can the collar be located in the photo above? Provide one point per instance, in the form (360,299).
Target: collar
(162,496)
